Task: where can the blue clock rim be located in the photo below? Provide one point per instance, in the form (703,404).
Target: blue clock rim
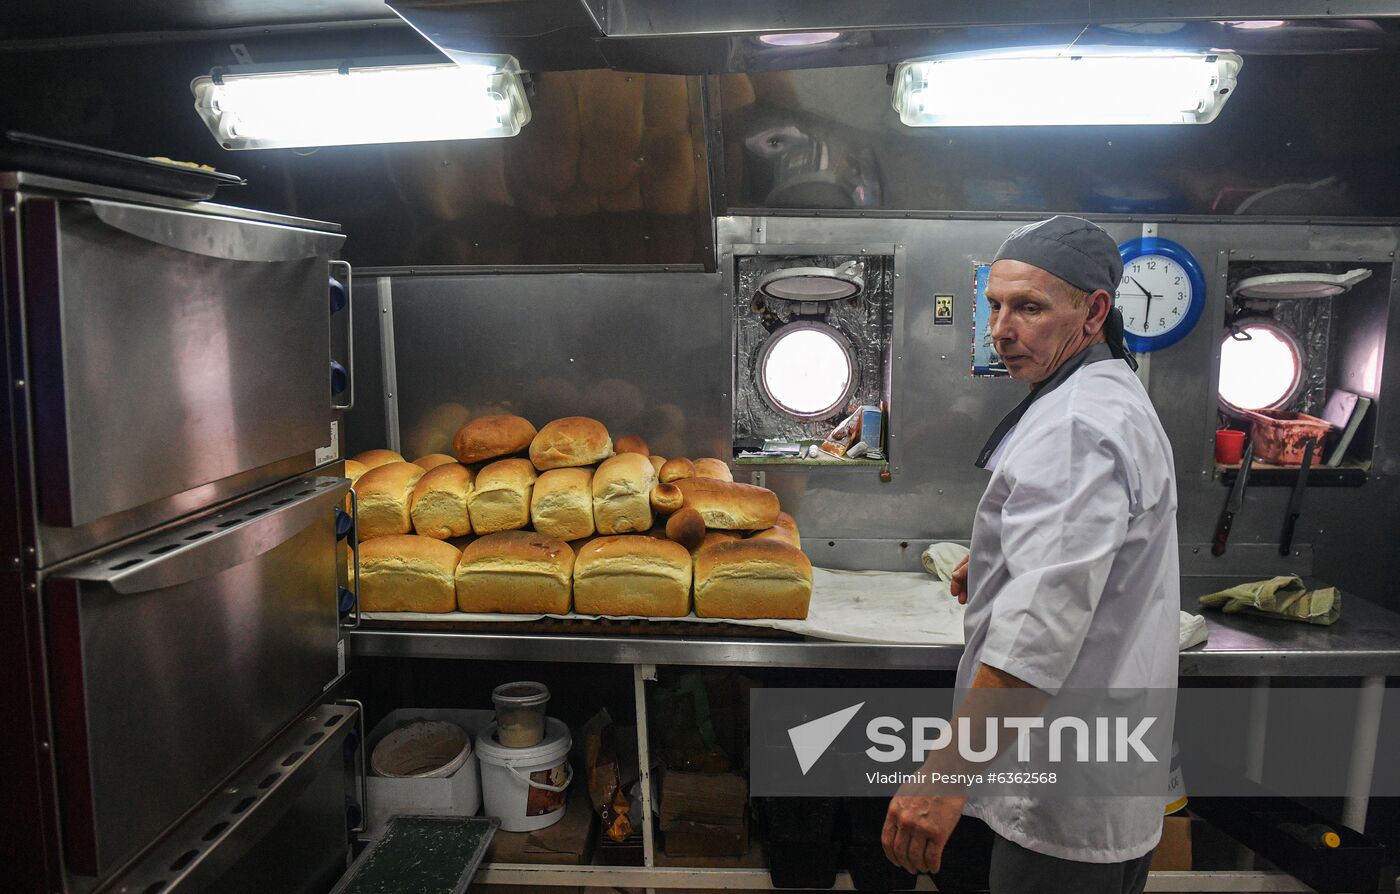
(1156,245)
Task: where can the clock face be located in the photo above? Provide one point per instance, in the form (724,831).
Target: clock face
(1155,295)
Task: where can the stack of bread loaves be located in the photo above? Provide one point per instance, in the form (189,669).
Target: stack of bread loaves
(603,527)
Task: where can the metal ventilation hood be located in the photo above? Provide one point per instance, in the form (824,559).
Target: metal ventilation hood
(718,36)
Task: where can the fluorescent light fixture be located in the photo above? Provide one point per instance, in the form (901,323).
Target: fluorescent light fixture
(1256,24)
(799,39)
(251,107)
(1082,85)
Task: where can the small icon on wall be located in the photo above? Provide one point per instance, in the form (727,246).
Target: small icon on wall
(942,310)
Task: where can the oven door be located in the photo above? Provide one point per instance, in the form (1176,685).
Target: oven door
(174,659)
(177,359)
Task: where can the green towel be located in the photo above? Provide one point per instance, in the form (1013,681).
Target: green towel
(1279,597)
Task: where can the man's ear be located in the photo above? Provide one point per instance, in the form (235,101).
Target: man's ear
(1100,303)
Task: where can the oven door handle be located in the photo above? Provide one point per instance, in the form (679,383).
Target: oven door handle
(213,236)
(349,308)
(216,543)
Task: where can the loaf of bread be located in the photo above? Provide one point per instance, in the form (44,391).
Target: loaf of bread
(385,494)
(407,573)
(439,504)
(622,494)
(500,501)
(433,460)
(562,503)
(656,463)
(666,498)
(489,437)
(752,579)
(632,575)
(676,469)
(730,506)
(374,458)
(515,571)
(686,527)
(571,441)
(709,467)
(631,444)
(713,537)
(783,530)
(354,469)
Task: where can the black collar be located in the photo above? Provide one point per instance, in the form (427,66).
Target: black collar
(1092,354)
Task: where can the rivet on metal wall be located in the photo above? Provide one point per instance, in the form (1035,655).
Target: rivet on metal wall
(19,384)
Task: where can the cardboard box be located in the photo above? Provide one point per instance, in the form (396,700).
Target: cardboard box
(567,842)
(1173,853)
(705,840)
(714,799)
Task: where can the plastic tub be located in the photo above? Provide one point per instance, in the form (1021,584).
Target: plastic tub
(458,794)
(525,787)
(1279,437)
(520,713)
(428,749)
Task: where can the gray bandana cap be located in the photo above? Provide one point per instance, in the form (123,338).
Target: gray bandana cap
(1072,248)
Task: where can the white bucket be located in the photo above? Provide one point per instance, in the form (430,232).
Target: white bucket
(526,787)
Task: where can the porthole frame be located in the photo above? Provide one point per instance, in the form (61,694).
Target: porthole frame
(782,332)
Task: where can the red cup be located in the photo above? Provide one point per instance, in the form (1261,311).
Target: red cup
(1229,446)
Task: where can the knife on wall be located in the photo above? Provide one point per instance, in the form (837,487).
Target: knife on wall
(1233,502)
(1295,502)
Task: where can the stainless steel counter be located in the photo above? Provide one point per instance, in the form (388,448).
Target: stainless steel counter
(1365,642)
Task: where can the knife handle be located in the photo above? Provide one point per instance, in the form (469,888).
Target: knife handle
(1285,542)
(1222,533)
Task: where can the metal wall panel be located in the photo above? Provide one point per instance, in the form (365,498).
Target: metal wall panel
(645,352)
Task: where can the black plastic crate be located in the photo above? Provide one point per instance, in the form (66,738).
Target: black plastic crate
(871,870)
(1270,826)
(865,818)
(805,865)
(799,820)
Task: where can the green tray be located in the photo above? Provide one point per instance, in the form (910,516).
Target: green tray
(421,855)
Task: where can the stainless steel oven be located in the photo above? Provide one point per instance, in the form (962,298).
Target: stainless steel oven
(171,592)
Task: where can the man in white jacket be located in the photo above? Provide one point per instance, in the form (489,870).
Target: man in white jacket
(1072,581)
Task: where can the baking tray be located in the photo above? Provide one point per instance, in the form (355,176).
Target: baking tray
(59,158)
(422,855)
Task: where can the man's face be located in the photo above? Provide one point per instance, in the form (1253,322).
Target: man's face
(1035,323)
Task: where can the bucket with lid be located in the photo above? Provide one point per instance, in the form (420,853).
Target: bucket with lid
(526,787)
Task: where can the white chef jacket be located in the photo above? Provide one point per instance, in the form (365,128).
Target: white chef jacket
(1074,582)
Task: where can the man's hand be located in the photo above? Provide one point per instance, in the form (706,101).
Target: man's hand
(959,582)
(917,827)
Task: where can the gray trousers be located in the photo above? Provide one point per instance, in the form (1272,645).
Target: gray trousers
(1016,870)
(977,860)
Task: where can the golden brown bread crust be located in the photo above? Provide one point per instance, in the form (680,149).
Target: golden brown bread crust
(709,467)
(730,506)
(489,437)
(676,469)
(784,530)
(433,460)
(371,459)
(666,498)
(632,575)
(385,495)
(686,527)
(439,503)
(631,444)
(752,579)
(656,463)
(515,571)
(562,503)
(571,441)
(622,494)
(354,469)
(713,537)
(500,500)
(407,573)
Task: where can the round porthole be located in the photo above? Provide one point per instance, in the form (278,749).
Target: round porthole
(806,370)
(1261,367)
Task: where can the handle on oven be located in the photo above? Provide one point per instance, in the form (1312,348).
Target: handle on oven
(190,552)
(355,551)
(362,761)
(349,333)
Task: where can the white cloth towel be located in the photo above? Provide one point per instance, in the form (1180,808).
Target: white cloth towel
(942,558)
(1193,630)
